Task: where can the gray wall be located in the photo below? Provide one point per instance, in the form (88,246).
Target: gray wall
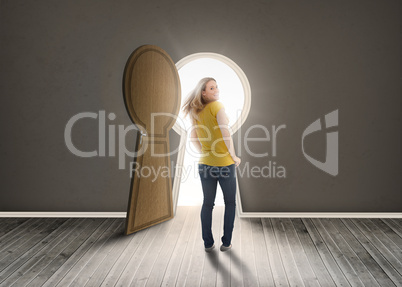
(303,59)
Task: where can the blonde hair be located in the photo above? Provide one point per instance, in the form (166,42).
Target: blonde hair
(194,102)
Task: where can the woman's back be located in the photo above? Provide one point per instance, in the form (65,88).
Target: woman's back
(214,150)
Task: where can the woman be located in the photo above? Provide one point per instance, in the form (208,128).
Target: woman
(211,137)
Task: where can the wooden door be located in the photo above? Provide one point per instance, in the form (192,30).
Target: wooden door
(152,95)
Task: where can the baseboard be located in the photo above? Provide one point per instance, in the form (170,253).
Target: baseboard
(242,214)
(65,214)
(320,214)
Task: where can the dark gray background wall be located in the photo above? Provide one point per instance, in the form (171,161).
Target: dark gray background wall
(303,59)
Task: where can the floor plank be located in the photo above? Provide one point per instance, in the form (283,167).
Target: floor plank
(178,259)
(60,273)
(75,276)
(191,268)
(395,237)
(148,260)
(393,224)
(133,265)
(325,253)
(331,240)
(118,243)
(278,271)
(70,251)
(134,242)
(375,253)
(385,237)
(303,265)
(236,273)
(349,254)
(10,224)
(263,266)
(37,263)
(367,264)
(247,255)
(288,260)
(96,255)
(312,254)
(34,242)
(211,261)
(17,237)
(224,258)
(156,276)
(382,243)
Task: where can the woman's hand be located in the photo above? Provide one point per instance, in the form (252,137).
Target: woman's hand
(237,160)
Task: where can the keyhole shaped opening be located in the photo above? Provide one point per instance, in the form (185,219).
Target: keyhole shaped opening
(235,94)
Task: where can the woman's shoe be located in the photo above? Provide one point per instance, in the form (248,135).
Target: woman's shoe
(225,248)
(209,249)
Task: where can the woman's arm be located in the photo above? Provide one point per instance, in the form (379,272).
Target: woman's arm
(223,122)
(194,139)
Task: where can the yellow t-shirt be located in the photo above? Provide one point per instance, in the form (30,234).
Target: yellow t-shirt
(214,151)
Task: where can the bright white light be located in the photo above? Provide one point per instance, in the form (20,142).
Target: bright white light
(231,94)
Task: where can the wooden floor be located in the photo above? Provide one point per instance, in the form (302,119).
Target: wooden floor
(266,252)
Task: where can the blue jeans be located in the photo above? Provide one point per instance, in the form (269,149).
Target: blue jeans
(210,175)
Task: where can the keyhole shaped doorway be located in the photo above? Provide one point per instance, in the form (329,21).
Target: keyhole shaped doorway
(235,94)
